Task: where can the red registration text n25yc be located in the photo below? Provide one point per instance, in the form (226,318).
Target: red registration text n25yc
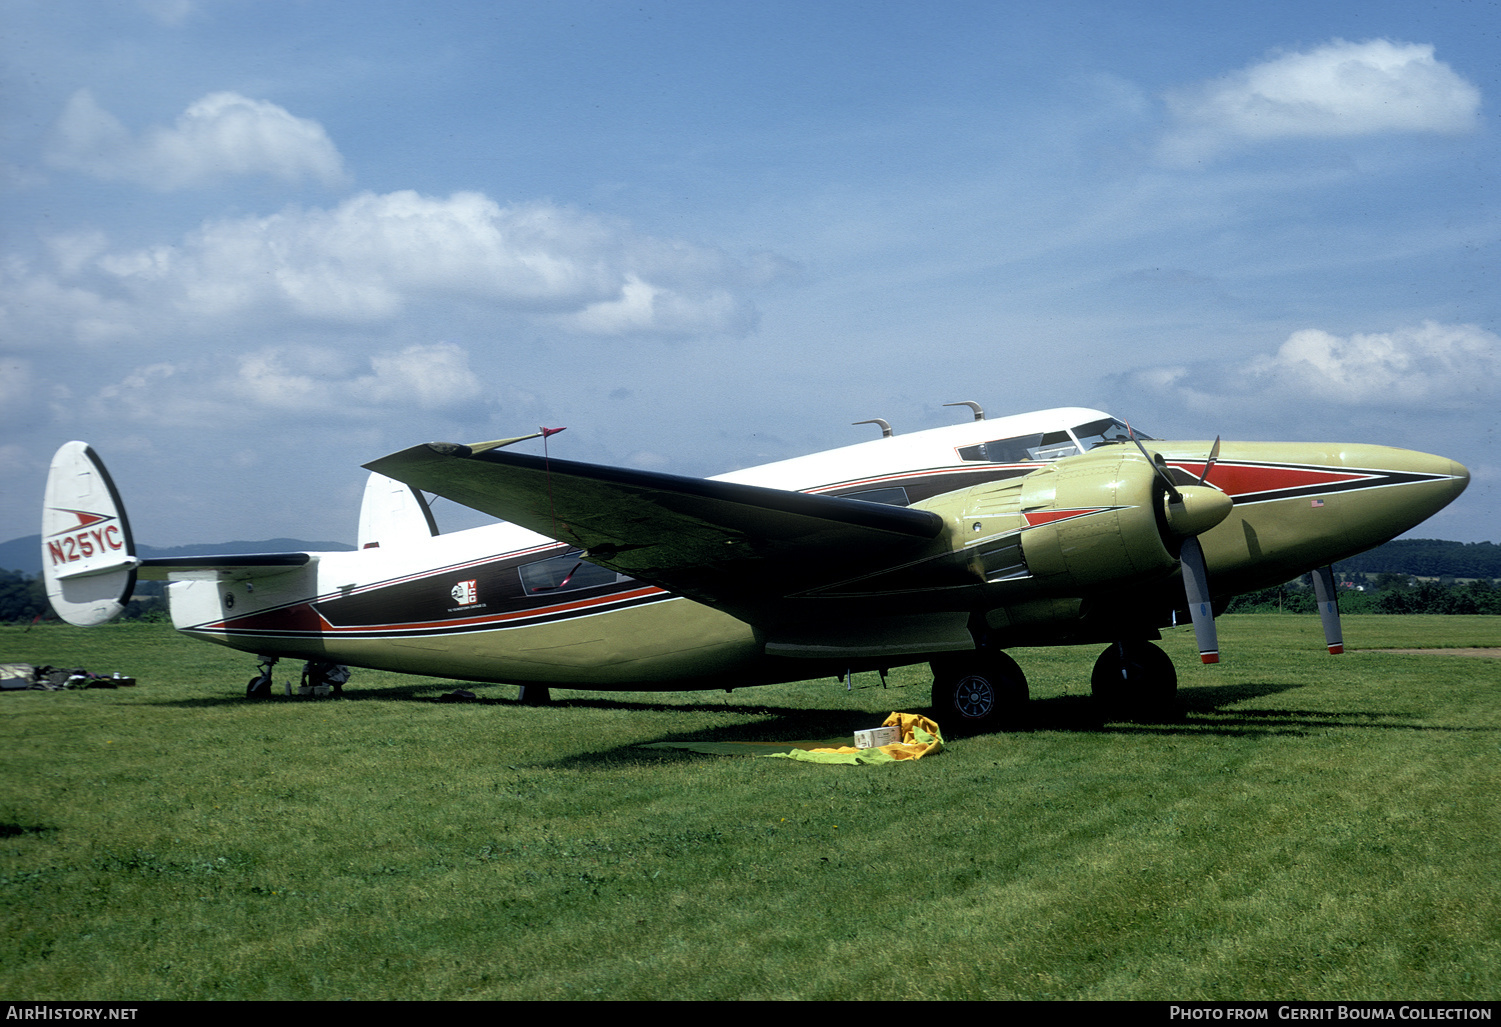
(83,544)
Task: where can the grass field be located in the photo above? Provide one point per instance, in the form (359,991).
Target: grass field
(1316,827)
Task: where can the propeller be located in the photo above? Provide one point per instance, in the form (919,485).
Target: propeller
(1323,591)
(1190,511)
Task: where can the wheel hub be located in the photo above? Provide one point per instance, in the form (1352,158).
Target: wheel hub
(975,696)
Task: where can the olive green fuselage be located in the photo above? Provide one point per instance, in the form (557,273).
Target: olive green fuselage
(1034,551)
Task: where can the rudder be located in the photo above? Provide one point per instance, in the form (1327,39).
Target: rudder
(88,555)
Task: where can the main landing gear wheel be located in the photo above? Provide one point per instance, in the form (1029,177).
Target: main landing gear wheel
(981,691)
(535,695)
(1135,679)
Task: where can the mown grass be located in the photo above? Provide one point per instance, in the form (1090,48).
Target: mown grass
(1315,827)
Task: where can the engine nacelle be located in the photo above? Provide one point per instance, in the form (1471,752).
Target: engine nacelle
(1095,518)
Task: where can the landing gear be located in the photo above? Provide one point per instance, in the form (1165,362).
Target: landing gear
(318,674)
(982,691)
(535,695)
(319,677)
(1135,679)
(260,685)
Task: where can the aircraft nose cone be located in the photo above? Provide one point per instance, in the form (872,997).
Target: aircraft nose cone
(1410,488)
(1461,476)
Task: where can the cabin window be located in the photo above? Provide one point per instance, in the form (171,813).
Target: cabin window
(1098,433)
(565,573)
(1003,451)
(894,496)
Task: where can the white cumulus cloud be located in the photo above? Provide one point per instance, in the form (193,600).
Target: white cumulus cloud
(310,379)
(375,255)
(432,377)
(643,307)
(1339,89)
(292,382)
(1430,367)
(220,136)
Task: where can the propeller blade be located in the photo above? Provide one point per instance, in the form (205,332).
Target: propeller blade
(1196,586)
(1172,488)
(1323,590)
(1214,454)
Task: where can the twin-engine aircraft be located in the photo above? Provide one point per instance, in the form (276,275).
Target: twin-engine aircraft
(947,546)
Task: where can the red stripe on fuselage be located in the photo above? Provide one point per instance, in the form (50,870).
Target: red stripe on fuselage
(1036,517)
(1252,479)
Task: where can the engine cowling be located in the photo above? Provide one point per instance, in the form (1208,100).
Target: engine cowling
(1097,518)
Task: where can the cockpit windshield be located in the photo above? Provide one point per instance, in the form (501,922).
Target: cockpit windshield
(1053,445)
(1108,429)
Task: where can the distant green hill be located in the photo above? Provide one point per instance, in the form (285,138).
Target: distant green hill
(1427,558)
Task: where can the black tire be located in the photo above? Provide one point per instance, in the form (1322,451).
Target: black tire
(259,687)
(1135,679)
(981,691)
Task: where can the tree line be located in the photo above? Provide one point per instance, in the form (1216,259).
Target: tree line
(1427,558)
(23,599)
(1386,593)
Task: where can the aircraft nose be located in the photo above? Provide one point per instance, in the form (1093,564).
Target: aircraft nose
(1404,489)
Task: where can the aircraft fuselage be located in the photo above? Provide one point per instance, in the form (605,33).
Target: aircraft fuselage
(1055,534)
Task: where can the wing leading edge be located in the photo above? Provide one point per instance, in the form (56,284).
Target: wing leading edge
(725,543)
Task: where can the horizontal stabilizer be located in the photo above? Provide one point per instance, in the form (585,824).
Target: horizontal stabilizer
(96,567)
(230,567)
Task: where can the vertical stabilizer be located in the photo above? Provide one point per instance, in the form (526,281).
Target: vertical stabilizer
(393,513)
(88,556)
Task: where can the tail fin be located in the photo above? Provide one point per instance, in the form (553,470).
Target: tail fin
(393,513)
(88,555)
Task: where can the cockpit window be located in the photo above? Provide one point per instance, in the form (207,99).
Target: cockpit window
(1022,449)
(1053,445)
(1098,433)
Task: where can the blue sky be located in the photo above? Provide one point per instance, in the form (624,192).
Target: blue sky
(247,246)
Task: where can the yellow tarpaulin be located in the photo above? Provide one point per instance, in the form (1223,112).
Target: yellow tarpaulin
(920,737)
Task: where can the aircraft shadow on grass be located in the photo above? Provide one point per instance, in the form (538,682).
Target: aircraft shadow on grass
(1203,710)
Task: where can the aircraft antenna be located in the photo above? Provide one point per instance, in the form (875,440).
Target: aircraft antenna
(979,413)
(886,432)
(547,469)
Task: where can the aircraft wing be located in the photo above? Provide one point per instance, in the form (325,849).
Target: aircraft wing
(718,542)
